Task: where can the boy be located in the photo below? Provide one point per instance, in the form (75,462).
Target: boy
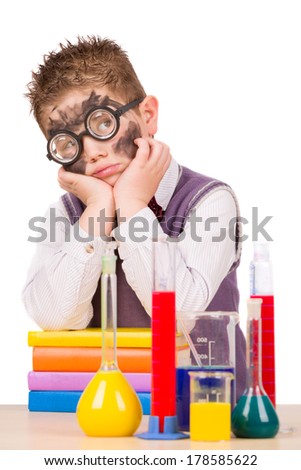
(100,126)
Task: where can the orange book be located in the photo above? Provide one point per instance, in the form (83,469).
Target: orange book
(74,359)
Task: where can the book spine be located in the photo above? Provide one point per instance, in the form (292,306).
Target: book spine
(66,402)
(88,359)
(77,381)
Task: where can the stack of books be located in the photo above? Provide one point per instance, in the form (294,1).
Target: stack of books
(65,361)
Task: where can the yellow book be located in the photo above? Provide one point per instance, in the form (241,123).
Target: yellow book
(92,337)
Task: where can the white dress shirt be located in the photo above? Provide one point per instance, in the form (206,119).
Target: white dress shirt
(65,269)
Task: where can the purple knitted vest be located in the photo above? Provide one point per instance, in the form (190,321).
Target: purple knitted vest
(190,190)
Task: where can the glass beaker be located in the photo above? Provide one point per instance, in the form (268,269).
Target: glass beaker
(211,339)
(210,405)
(109,406)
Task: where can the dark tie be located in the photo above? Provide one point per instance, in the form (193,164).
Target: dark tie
(157,210)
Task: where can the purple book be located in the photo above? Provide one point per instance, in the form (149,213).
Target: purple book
(77,381)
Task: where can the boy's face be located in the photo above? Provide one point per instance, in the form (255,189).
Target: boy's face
(103,159)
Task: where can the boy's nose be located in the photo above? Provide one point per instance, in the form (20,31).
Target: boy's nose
(93,149)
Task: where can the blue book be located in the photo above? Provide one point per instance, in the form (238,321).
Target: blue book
(66,402)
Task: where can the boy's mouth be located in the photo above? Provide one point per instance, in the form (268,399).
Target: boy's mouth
(107,171)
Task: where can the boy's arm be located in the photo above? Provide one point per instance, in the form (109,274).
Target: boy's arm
(63,275)
(139,182)
(201,262)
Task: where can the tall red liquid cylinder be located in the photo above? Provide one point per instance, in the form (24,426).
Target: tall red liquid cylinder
(163,355)
(268,345)
(261,286)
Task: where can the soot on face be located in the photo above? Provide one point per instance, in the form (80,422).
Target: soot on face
(126,145)
(78,167)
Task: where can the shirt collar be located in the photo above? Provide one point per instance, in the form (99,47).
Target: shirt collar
(168,184)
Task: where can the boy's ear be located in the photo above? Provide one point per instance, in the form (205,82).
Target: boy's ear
(149,113)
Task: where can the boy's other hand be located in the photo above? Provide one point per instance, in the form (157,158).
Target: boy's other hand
(88,189)
(139,182)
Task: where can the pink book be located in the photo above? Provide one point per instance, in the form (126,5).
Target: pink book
(77,381)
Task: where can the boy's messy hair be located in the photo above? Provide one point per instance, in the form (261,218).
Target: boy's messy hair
(90,61)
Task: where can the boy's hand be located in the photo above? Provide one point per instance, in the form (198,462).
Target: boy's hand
(88,189)
(139,182)
(96,195)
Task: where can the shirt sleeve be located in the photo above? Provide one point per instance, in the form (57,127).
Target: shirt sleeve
(205,251)
(63,274)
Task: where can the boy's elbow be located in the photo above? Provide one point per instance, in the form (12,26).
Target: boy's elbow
(56,322)
(53,319)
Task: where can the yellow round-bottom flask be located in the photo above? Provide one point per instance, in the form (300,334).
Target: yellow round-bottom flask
(109,406)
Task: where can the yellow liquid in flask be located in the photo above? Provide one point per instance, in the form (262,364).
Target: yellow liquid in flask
(109,406)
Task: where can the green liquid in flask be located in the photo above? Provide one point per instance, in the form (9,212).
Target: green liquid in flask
(254,416)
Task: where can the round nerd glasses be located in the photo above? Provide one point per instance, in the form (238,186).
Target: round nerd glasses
(102,123)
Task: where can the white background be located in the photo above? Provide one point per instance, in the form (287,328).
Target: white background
(228,78)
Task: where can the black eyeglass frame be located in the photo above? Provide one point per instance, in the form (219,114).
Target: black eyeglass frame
(116,113)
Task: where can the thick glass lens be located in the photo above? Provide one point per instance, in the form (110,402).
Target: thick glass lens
(64,148)
(102,124)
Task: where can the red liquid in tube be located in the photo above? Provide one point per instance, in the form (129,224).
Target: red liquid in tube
(163,355)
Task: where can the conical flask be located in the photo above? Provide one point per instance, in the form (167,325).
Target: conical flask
(254,415)
(109,406)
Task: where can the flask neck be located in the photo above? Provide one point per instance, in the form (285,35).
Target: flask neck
(254,364)
(109,321)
